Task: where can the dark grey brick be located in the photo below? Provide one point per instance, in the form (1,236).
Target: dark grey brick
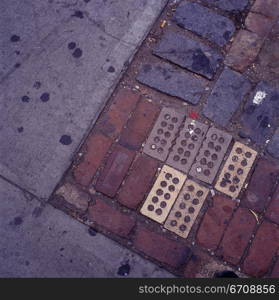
(226,96)
(261,113)
(204,22)
(273,146)
(228,5)
(188,54)
(169,80)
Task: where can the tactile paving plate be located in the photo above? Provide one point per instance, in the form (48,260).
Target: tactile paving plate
(236,170)
(163,133)
(210,155)
(187,145)
(186,208)
(163,194)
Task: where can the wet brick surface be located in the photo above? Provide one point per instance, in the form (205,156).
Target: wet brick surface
(261,185)
(244,50)
(275,271)
(273,146)
(232,5)
(138,181)
(237,236)
(115,171)
(188,54)
(226,97)
(118,113)
(215,222)
(264,246)
(204,22)
(273,209)
(139,125)
(260,114)
(167,79)
(258,24)
(95,148)
(268,8)
(161,248)
(110,218)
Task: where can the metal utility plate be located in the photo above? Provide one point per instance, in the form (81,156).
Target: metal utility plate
(163,194)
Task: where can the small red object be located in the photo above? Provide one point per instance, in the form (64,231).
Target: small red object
(193,115)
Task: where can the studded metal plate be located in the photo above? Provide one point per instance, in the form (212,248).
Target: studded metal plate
(163,194)
(163,133)
(186,208)
(187,145)
(210,155)
(236,169)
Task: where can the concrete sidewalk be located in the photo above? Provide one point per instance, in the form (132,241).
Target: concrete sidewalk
(59,62)
(40,241)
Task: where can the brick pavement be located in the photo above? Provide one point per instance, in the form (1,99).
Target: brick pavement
(188,111)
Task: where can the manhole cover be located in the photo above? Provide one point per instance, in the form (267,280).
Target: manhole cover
(163,194)
(211,154)
(163,133)
(186,208)
(236,169)
(187,145)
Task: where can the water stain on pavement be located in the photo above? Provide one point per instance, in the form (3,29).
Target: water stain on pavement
(78,14)
(25,99)
(65,140)
(45,97)
(124,270)
(77,53)
(72,45)
(15,38)
(111,69)
(37,85)
(16,221)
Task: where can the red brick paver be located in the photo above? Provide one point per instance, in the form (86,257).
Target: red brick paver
(258,24)
(138,182)
(268,8)
(112,122)
(139,125)
(115,170)
(275,271)
(273,209)
(161,248)
(215,221)
(261,186)
(244,50)
(237,236)
(95,148)
(263,248)
(110,218)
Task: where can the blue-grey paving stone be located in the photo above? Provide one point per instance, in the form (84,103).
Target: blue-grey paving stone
(204,22)
(188,54)
(226,96)
(273,146)
(261,113)
(167,79)
(229,5)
